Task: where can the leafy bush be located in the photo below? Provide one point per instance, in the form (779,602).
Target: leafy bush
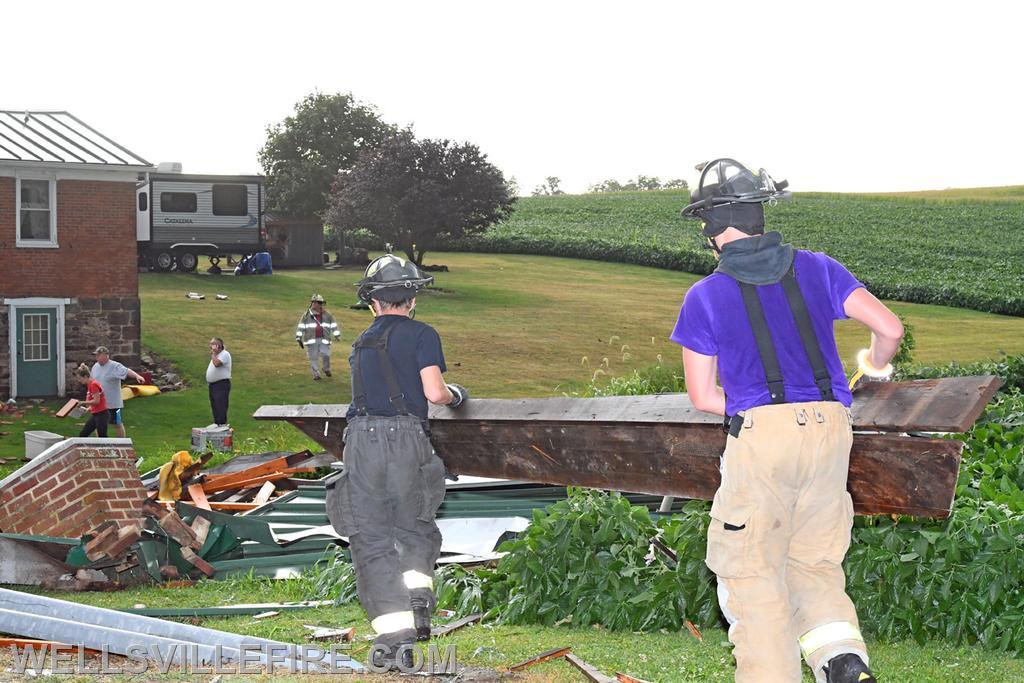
(589,560)
(968,254)
(1010,368)
(657,379)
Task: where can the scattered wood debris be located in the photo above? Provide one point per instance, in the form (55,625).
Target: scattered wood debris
(346,635)
(445,629)
(541,658)
(591,673)
(626,678)
(265,615)
(695,631)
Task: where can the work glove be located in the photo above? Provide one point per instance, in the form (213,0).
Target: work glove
(866,372)
(459,395)
(299,342)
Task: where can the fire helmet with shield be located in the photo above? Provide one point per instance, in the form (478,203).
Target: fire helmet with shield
(391,278)
(317,299)
(729,194)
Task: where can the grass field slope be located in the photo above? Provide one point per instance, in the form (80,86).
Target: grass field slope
(962,248)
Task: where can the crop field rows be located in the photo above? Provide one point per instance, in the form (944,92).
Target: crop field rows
(961,252)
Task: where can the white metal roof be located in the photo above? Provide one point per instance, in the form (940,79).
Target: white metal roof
(61,138)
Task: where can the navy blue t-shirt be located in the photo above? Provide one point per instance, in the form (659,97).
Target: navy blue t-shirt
(412,346)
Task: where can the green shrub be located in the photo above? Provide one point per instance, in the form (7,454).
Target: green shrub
(589,559)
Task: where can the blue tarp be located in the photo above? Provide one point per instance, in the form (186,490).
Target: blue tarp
(257,264)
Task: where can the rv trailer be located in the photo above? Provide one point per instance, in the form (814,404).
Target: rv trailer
(183,216)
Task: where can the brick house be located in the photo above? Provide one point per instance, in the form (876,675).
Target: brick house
(68,255)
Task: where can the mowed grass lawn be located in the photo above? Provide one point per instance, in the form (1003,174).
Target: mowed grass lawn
(512,326)
(665,657)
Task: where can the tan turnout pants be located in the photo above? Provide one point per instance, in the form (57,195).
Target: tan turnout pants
(780,528)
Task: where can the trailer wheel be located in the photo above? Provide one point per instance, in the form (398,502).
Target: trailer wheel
(187,261)
(164,261)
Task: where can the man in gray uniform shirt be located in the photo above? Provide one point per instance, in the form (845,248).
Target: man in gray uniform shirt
(109,374)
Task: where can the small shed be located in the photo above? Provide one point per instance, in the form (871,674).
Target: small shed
(295,242)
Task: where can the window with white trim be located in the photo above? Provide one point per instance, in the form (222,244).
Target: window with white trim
(36,211)
(35,342)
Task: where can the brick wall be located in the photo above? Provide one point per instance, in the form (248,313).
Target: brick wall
(72,488)
(97,254)
(95,266)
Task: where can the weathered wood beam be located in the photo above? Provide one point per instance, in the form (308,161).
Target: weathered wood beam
(662,445)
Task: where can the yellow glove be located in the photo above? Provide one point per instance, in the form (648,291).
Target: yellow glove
(866,369)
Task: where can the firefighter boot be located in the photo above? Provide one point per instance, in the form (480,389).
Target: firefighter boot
(394,652)
(422,602)
(848,668)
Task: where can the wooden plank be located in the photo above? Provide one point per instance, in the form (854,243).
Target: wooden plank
(264,494)
(626,678)
(198,496)
(224,485)
(445,629)
(541,658)
(201,527)
(66,409)
(590,672)
(951,404)
(661,446)
(234,507)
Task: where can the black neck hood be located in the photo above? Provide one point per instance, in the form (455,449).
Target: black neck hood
(758,260)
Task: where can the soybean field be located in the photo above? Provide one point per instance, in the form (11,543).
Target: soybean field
(962,248)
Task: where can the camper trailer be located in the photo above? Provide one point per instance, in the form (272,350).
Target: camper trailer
(182,217)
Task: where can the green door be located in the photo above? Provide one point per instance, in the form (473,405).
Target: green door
(36,350)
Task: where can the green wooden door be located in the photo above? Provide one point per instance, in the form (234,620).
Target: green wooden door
(36,351)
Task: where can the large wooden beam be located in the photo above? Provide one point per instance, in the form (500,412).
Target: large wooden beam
(662,445)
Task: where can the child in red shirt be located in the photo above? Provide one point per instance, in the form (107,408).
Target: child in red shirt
(97,402)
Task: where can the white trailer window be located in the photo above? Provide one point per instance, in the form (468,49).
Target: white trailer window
(230,200)
(178,202)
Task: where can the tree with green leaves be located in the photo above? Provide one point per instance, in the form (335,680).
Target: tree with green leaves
(550,186)
(304,153)
(412,192)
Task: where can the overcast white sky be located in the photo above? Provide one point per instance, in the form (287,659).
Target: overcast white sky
(853,96)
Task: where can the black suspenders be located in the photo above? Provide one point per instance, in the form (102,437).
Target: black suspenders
(387,369)
(766,348)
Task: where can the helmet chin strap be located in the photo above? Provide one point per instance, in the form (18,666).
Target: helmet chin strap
(713,245)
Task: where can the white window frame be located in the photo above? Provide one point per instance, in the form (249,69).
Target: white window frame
(12,321)
(28,243)
(25,344)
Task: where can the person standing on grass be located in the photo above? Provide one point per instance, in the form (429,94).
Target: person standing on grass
(218,376)
(781,519)
(109,373)
(315,332)
(392,484)
(94,398)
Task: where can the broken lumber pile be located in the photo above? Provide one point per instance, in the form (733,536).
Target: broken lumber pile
(662,445)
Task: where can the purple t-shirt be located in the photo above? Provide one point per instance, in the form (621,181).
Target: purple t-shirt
(713,322)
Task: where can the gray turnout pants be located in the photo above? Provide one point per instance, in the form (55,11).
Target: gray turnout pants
(319,351)
(385,500)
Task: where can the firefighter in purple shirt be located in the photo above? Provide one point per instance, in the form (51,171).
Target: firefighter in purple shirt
(781,519)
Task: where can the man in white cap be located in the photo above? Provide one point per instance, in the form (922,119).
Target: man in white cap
(109,374)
